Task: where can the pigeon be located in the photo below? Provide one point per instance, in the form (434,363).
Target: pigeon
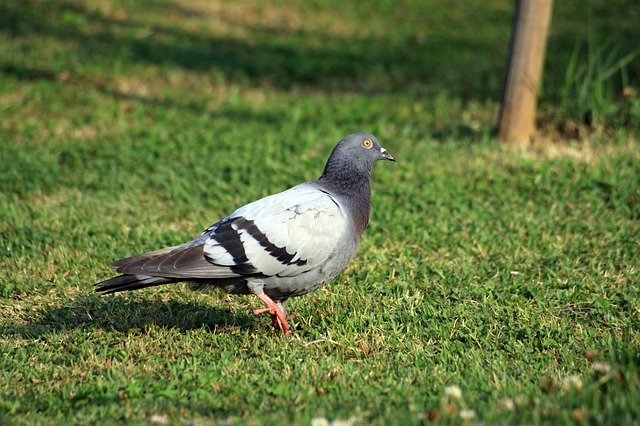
(281,246)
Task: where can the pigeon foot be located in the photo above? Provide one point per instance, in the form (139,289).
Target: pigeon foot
(278,318)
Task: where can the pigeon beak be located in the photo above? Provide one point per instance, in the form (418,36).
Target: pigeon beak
(385,155)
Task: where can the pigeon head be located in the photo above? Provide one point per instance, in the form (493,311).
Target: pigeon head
(347,175)
(355,154)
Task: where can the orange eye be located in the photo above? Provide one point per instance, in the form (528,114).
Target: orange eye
(367,143)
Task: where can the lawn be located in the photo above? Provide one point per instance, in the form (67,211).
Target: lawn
(493,285)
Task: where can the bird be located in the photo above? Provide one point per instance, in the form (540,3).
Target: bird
(280,246)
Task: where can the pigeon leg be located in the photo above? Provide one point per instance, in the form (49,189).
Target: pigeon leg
(278,318)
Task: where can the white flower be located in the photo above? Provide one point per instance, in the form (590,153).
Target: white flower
(572,382)
(601,367)
(348,422)
(319,421)
(467,414)
(159,419)
(453,391)
(507,404)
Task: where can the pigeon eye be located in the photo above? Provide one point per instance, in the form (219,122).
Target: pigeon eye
(367,143)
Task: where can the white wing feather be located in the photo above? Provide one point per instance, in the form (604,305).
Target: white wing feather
(304,221)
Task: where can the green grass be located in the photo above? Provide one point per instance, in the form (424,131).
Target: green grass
(511,274)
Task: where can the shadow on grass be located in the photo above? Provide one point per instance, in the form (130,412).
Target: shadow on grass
(277,56)
(419,61)
(126,315)
(464,63)
(272,116)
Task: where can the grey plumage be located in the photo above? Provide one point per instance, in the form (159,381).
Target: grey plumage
(280,246)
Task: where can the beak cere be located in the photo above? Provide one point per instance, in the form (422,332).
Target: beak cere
(385,154)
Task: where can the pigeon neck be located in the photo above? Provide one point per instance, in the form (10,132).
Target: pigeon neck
(353,188)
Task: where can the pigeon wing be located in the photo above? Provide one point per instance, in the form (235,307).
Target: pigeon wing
(285,234)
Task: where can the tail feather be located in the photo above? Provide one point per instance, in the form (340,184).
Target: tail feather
(130,282)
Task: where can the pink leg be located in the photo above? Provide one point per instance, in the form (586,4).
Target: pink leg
(278,319)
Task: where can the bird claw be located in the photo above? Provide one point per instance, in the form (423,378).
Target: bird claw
(278,318)
(261,311)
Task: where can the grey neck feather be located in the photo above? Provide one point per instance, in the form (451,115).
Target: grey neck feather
(351,184)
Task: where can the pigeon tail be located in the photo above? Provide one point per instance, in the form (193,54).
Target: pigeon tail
(130,282)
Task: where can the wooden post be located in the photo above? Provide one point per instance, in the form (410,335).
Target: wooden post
(526,57)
